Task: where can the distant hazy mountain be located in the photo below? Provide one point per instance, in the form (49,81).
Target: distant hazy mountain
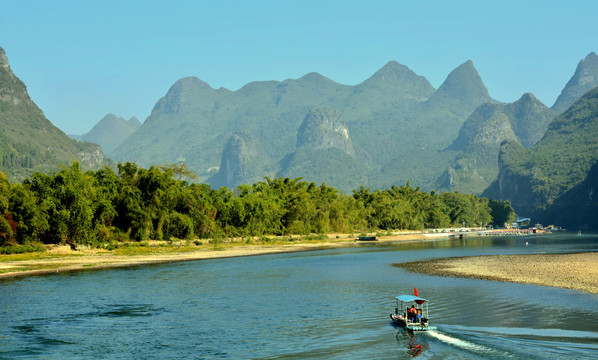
(110,132)
(400,128)
(195,121)
(28,141)
(555,174)
(584,80)
(478,144)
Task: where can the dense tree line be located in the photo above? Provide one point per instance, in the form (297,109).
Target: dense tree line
(94,208)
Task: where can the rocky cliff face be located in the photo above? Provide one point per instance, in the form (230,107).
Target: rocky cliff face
(325,152)
(323,128)
(12,90)
(577,208)
(584,80)
(487,126)
(243,162)
(515,185)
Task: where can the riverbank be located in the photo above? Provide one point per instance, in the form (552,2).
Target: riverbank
(64,259)
(570,271)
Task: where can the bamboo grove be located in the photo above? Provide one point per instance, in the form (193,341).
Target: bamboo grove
(134,204)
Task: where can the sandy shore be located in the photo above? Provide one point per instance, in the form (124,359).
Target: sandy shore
(63,259)
(571,271)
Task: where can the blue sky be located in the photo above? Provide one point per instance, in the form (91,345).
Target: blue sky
(84,59)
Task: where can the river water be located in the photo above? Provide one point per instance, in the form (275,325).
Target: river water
(329,304)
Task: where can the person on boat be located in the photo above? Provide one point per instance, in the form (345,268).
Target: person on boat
(412,313)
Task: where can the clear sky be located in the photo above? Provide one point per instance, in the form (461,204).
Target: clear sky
(84,59)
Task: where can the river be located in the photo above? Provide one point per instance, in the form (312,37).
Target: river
(329,304)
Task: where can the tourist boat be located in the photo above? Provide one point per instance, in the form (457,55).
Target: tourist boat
(401,315)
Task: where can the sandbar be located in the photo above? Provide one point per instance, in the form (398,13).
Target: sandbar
(578,271)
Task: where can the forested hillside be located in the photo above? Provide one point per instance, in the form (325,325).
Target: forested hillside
(28,141)
(477,147)
(535,179)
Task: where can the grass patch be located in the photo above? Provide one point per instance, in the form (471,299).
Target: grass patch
(21,249)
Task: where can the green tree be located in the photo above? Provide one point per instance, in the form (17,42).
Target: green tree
(68,199)
(502,212)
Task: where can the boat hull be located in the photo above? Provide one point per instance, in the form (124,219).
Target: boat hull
(400,320)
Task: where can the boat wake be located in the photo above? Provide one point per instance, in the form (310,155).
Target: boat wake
(530,332)
(463,344)
(504,343)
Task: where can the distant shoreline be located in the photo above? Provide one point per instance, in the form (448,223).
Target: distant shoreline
(578,271)
(572,271)
(63,259)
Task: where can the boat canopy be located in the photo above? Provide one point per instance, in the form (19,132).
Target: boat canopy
(408,298)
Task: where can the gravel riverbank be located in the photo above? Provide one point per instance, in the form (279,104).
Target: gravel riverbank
(571,271)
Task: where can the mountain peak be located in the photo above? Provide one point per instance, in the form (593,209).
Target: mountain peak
(590,57)
(400,80)
(394,72)
(190,82)
(134,122)
(463,88)
(183,94)
(464,78)
(527,97)
(315,78)
(109,132)
(528,101)
(392,68)
(529,118)
(584,79)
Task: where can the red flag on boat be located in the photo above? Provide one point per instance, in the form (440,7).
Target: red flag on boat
(415,291)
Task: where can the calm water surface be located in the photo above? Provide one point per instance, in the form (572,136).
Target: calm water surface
(331,304)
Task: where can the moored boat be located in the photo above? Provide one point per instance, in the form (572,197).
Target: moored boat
(412,313)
